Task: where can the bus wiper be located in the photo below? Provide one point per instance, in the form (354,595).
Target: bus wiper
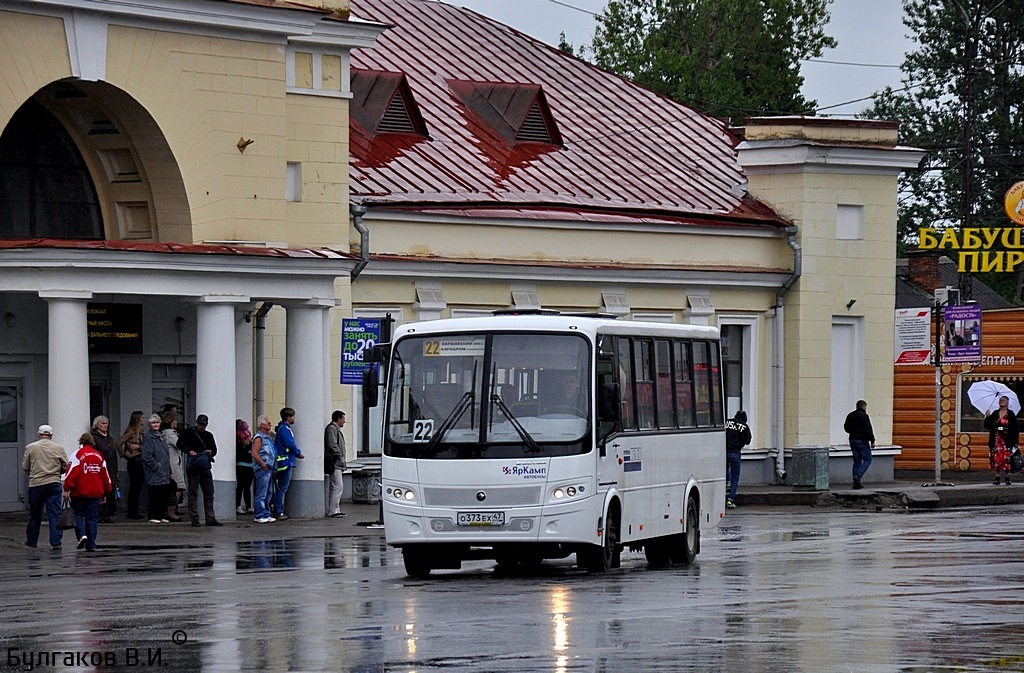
(500,403)
(465,402)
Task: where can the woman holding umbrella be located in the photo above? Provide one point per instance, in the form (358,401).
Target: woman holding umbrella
(1003,435)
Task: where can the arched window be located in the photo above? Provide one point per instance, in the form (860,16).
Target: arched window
(45,187)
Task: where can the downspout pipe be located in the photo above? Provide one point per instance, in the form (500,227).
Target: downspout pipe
(358,210)
(780,354)
(259,370)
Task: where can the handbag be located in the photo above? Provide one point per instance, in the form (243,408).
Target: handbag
(66,520)
(1016,460)
(200,461)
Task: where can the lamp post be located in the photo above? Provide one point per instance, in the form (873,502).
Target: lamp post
(943,296)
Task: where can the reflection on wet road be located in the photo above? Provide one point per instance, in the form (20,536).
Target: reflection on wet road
(772,591)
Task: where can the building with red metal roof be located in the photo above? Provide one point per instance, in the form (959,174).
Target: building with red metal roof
(175,188)
(492,171)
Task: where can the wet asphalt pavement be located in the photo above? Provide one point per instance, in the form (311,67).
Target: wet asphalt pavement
(774,589)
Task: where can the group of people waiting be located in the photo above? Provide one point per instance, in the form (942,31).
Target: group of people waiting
(167,462)
(170,464)
(264,462)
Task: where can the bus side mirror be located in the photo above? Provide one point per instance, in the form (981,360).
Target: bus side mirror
(371,382)
(378,353)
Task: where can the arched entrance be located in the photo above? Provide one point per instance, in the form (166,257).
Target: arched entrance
(84,160)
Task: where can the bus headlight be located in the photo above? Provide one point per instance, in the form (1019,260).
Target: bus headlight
(402,493)
(563,492)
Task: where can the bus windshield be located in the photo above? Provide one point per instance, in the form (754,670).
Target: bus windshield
(489,396)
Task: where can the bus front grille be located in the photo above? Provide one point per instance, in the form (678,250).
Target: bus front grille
(500,496)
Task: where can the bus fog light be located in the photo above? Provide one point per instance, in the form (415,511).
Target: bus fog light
(398,493)
(559,494)
(571,491)
(409,495)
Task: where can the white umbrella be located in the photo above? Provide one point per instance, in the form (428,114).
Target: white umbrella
(984,395)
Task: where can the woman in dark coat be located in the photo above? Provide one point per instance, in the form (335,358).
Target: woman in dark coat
(108,448)
(156,465)
(1003,435)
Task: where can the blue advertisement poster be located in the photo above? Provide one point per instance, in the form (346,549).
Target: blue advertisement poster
(961,335)
(357,336)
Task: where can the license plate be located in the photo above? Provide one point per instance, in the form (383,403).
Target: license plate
(480,518)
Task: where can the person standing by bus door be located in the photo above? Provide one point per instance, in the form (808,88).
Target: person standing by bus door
(737,435)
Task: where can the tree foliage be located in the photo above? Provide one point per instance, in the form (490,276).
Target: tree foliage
(961,100)
(728,58)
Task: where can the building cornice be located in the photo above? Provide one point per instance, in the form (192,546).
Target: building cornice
(377,213)
(405,269)
(773,156)
(285,23)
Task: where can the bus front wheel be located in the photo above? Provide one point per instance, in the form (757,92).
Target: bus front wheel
(606,556)
(688,542)
(417,563)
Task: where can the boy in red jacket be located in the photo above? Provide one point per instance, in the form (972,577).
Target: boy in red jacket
(87,483)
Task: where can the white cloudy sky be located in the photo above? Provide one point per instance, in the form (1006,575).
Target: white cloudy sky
(869,32)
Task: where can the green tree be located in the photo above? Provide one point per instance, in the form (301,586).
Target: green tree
(728,58)
(961,100)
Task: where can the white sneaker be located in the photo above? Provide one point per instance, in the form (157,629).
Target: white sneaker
(154,520)
(240,510)
(266,519)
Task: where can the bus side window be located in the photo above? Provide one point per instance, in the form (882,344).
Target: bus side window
(625,373)
(663,383)
(644,384)
(702,379)
(683,372)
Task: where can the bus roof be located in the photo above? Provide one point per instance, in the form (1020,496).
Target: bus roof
(591,326)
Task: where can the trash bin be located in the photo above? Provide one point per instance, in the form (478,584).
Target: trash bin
(809,468)
(366,487)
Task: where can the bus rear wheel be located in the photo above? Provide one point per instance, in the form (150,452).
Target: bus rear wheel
(658,552)
(417,563)
(686,545)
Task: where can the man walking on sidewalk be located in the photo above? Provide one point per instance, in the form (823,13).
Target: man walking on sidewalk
(862,440)
(45,462)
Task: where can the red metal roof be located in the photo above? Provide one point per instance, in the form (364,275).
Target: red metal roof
(626,149)
(169,247)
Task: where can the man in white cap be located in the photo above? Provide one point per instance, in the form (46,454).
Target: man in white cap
(45,462)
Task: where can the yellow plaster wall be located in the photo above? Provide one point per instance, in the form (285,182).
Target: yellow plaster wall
(206,93)
(318,139)
(21,77)
(580,244)
(834,272)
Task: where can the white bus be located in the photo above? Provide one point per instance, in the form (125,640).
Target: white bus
(528,437)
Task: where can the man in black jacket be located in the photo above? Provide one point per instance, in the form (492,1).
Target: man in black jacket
(862,440)
(737,435)
(200,448)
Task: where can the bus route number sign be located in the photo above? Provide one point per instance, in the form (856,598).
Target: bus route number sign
(481,518)
(454,346)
